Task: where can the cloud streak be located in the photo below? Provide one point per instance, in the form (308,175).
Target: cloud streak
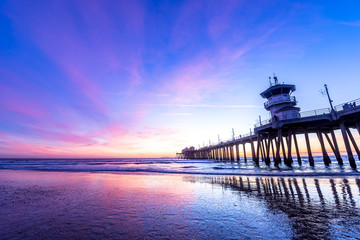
(203,105)
(353,24)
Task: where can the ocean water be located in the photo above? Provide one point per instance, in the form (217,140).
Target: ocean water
(182,166)
(176,199)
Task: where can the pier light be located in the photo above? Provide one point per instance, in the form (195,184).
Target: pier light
(279,102)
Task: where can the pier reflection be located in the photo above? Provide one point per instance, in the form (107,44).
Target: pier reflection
(318,208)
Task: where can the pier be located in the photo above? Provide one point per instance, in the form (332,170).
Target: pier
(274,139)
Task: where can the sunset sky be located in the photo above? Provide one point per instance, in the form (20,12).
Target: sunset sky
(148,78)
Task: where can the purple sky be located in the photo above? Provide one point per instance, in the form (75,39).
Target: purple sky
(147,78)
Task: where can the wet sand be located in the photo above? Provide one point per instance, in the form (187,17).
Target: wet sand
(85,205)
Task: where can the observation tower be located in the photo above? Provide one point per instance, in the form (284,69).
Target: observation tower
(280,103)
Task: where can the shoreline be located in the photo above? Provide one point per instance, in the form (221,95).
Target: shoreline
(140,172)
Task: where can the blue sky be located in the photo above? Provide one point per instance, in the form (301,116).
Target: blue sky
(147,78)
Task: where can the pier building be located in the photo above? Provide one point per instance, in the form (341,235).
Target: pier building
(274,138)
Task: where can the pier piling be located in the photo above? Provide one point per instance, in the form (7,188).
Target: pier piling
(347,145)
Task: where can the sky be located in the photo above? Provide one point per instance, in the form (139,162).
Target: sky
(148,78)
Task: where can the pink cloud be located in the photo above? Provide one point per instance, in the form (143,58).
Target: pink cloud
(84,55)
(192,81)
(14,101)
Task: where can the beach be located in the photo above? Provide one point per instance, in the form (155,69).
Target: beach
(108,205)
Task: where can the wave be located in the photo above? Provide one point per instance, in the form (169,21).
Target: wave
(242,173)
(173,166)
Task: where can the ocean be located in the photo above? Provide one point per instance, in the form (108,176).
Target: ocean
(181,166)
(171,198)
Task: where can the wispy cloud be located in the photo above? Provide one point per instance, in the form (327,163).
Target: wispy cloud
(354,23)
(178,114)
(203,105)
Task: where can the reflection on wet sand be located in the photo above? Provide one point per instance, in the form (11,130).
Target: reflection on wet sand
(319,208)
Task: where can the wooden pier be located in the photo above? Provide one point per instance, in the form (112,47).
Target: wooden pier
(274,139)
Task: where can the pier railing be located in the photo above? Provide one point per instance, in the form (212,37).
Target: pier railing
(347,105)
(235,138)
(310,113)
(263,122)
(316,112)
(244,135)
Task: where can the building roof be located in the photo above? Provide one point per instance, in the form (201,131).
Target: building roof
(278,89)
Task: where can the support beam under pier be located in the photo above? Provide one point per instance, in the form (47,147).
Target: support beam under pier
(297,150)
(311,159)
(353,142)
(339,159)
(237,152)
(267,143)
(277,159)
(289,160)
(245,159)
(326,158)
(232,152)
(253,152)
(335,150)
(347,145)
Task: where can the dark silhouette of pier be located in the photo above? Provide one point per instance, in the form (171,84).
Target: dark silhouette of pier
(274,139)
